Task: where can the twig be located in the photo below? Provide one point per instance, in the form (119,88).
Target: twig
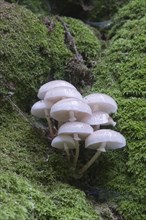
(18,110)
(70,40)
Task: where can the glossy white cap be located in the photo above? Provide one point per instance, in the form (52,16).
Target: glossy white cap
(52,84)
(112,140)
(78,130)
(110,122)
(56,94)
(97,118)
(70,109)
(101,102)
(62,140)
(38,109)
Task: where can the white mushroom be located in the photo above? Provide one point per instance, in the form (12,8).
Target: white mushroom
(40,110)
(79,131)
(51,85)
(64,142)
(112,140)
(97,119)
(101,140)
(101,102)
(110,122)
(70,109)
(62,92)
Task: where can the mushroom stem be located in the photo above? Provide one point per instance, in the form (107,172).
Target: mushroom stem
(92,160)
(49,122)
(76,137)
(76,153)
(59,124)
(96,127)
(112,122)
(72,116)
(67,151)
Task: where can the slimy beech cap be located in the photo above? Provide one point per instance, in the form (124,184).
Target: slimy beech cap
(101,102)
(70,109)
(51,85)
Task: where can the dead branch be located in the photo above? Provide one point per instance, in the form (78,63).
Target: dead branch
(70,40)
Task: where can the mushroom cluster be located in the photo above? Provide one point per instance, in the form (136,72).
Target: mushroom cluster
(79,119)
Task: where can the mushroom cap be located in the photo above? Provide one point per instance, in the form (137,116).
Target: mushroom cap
(38,109)
(112,139)
(97,118)
(54,95)
(79,128)
(61,140)
(61,110)
(52,84)
(110,122)
(101,102)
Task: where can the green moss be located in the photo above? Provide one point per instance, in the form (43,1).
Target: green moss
(36,6)
(31,172)
(23,152)
(80,73)
(135,9)
(63,62)
(121,74)
(24,52)
(103,10)
(86,41)
(21,199)
(129,44)
(31,53)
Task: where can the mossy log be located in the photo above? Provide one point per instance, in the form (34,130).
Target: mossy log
(33,176)
(33,54)
(121,74)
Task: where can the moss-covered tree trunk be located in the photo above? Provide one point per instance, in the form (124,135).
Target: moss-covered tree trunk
(34,178)
(121,73)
